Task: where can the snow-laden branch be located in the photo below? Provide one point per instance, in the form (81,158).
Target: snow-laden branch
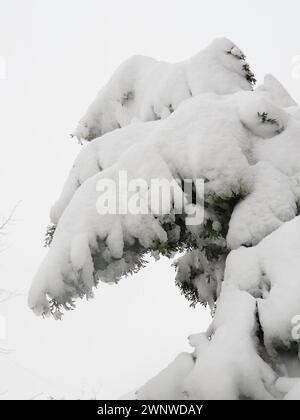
(145,89)
(242,258)
(221,139)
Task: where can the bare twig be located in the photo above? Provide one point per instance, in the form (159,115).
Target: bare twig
(9,295)
(36,396)
(8,219)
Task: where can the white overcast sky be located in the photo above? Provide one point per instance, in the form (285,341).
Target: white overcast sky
(58,54)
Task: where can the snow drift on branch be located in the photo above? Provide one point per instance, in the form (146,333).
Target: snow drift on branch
(146,89)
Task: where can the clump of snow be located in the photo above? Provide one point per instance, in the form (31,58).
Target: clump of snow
(262,117)
(168,384)
(272,271)
(238,371)
(97,156)
(271,200)
(285,384)
(143,88)
(294,392)
(276,92)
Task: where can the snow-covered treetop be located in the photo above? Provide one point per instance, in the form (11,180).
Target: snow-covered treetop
(145,89)
(200,119)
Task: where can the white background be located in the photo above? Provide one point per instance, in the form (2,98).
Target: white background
(58,53)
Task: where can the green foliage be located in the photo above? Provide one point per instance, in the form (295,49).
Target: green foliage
(49,234)
(265,119)
(190,292)
(56,308)
(241,56)
(246,68)
(249,74)
(211,242)
(171,108)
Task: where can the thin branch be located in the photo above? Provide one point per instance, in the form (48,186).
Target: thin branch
(36,396)
(9,295)
(9,218)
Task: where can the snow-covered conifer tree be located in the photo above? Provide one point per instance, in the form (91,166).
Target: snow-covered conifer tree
(200,119)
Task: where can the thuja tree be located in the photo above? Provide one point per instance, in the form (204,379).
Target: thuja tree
(201,119)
